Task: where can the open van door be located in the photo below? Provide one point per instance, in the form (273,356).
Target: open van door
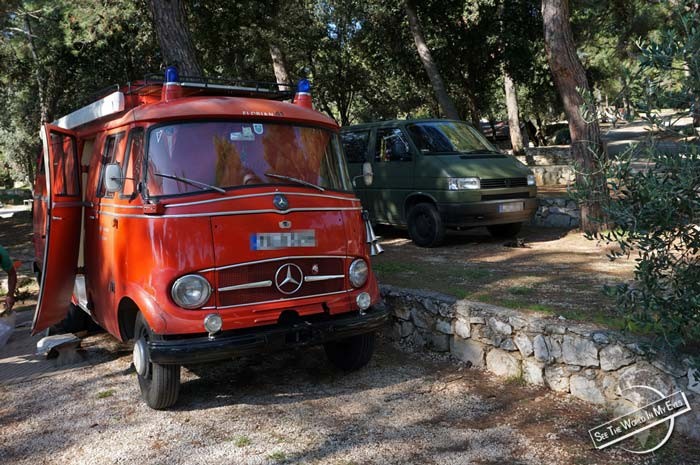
(64,212)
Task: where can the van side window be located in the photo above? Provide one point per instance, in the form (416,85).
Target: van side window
(391,146)
(109,152)
(355,146)
(133,161)
(66,165)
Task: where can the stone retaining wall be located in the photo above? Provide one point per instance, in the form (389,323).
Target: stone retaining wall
(559,212)
(546,155)
(553,175)
(587,361)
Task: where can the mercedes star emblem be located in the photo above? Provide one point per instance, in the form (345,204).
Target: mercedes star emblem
(280,202)
(288,278)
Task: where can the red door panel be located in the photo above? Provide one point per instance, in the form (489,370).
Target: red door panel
(63,227)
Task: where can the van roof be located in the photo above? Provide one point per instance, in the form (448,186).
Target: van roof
(397,122)
(212,107)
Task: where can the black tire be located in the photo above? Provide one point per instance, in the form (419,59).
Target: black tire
(425,225)
(160,385)
(505,231)
(352,353)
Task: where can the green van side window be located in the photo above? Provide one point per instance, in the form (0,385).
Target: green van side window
(391,146)
(355,146)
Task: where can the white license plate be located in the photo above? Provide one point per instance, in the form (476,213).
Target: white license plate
(510,207)
(282,240)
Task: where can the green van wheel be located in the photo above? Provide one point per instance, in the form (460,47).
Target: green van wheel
(425,225)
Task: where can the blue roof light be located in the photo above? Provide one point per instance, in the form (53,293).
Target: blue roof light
(303,86)
(171,74)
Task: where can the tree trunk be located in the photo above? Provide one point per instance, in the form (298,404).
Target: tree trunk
(516,138)
(446,104)
(176,47)
(279,65)
(569,76)
(40,82)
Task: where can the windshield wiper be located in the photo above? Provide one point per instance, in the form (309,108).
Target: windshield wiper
(298,181)
(191,182)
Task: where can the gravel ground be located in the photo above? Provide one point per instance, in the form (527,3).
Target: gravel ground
(293,408)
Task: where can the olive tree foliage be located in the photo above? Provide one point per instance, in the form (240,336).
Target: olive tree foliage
(655,213)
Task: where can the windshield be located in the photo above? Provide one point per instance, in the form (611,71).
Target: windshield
(191,157)
(445,137)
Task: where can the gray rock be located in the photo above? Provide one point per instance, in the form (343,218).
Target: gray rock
(477,320)
(468,350)
(430,305)
(406,328)
(461,329)
(536,325)
(402,312)
(610,386)
(446,310)
(559,221)
(499,326)
(644,374)
(586,389)
(517,322)
(440,342)
(443,326)
(541,349)
(484,333)
(421,319)
(418,340)
(579,351)
(557,378)
(600,338)
(507,344)
(555,329)
(615,356)
(533,372)
(524,344)
(687,424)
(501,363)
(462,308)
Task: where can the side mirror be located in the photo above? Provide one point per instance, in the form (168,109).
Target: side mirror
(113,178)
(367,174)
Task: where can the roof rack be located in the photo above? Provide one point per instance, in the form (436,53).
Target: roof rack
(221,86)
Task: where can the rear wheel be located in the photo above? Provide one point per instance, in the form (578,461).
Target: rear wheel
(504,231)
(160,384)
(425,225)
(351,353)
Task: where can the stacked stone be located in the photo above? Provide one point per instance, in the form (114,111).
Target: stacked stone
(559,212)
(587,361)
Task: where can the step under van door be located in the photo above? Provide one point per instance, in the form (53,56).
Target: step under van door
(63,226)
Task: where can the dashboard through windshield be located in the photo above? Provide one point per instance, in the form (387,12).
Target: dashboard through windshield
(195,156)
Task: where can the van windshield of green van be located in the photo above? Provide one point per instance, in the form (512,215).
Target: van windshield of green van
(448,137)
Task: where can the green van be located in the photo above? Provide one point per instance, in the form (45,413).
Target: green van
(435,174)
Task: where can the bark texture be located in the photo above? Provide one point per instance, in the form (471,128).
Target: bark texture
(40,81)
(516,138)
(176,47)
(446,104)
(569,76)
(279,65)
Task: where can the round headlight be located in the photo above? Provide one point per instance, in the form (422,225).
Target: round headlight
(358,272)
(191,291)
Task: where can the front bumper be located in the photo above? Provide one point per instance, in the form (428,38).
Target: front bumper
(231,344)
(485,213)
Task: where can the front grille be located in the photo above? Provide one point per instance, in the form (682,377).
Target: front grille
(256,272)
(515,195)
(501,183)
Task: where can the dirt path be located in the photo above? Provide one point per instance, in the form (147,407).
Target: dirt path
(292,408)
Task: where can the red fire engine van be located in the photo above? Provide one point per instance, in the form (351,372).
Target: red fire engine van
(203,220)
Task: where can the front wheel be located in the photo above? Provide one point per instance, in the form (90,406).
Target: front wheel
(351,353)
(504,231)
(160,384)
(425,225)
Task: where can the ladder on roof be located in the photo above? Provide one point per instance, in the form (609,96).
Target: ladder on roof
(111,100)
